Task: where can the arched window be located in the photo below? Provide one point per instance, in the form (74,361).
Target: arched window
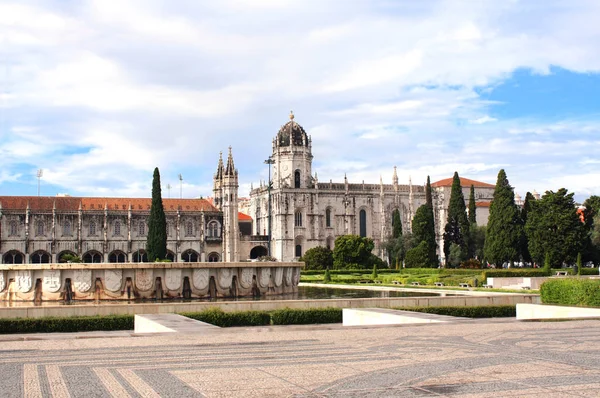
(214,258)
(297,179)
(117,231)
(189,229)
(139,256)
(117,256)
(40,257)
(39,228)
(67,228)
(12,228)
(298,250)
(298,218)
(92,228)
(190,256)
(328,218)
(363,223)
(13,257)
(142,228)
(214,229)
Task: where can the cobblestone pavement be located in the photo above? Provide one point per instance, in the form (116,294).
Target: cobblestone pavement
(465,359)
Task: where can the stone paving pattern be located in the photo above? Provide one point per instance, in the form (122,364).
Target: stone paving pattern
(480,358)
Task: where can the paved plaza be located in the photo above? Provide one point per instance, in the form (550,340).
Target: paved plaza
(478,358)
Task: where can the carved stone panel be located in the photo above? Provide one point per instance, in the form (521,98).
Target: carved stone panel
(278,280)
(200,278)
(2,280)
(113,279)
(23,279)
(264,277)
(225,275)
(83,280)
(288,276)
(173,279)
(51,280)
(246,277)
(296,276)
(143,279)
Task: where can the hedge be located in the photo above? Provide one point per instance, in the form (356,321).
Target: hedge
(288,316)
(218,317)
(571,291)
(66,324)
(486,311)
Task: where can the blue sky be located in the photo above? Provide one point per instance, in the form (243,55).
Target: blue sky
(98,93)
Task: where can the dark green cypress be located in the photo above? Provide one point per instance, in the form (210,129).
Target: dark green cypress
(472,206)
(457,225)
(156,244)
(428,198)
(504,226)
(396,224)
(423,230)
(524,246)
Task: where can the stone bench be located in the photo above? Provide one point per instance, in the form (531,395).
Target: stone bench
(562,273)
(395,282)
(415,283)
(488,286)
(439,284)
(464,285)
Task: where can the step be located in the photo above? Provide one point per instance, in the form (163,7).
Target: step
(381,316)
(170,323)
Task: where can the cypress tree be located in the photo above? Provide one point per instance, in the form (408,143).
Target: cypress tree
(457,225)
(156,244)
(395,245)
(504,227)
(472,207)
(428,198)
(396,224)
(524,246)
(423,230)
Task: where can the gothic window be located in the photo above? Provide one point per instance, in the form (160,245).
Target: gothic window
(297,179)
(12,228)
(92,228)
(363,223)
(213,258)
(142,228)
(189,229)
(214,230)
(117,228)
(66,228)
(298,219)
(39,228)
(298,251)
(40,257)
(190,256)
(328,218)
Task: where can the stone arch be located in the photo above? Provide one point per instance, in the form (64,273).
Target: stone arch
(298,246)
(40,257)
(297,179)
(190,256)
(139,256)
(258,251)
(213,229)
(117,256)
(362,221)
(214,257)
(330,242)
(13,257)
(92,256)
(62,253)
(170,256)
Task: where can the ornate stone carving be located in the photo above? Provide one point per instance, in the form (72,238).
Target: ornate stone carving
(224,277)
(246,277)
(173,279)
(288,276)
(2,280)
(278,280)
(113,279)
(83,280)
(23,279)
(143,279)
(200,278)
(296,276)
(51,280)
(265,276)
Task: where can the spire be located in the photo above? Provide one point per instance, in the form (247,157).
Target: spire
(380,184)
(219,173)
(230,169)
(395,177)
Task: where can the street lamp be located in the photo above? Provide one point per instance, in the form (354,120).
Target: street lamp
(269,161)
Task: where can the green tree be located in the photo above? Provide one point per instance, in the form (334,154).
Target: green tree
(319,257)
(327,276)
(423,230)
(418,256)
(428,197)
(396,224)
(591,215)
(554,228)
(524,243)
(352,251)
(504,227)
(156,244)
(457,225)
(395,243)
(578,263)
(478,239)
(472,206)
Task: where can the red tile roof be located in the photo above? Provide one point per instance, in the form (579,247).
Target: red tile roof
(464,182)
(483,204)
(72,203)
(244,217)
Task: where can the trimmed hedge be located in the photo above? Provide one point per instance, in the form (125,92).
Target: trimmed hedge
(218,317)
(490,311)
(289,316)
(66,324)
(571,291)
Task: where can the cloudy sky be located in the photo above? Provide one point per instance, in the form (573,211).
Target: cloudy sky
(98,93)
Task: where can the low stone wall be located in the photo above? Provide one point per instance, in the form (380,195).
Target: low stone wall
(267,305)
(123,281)
(517,282)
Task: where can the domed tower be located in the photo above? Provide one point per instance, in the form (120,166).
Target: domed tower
(292,153)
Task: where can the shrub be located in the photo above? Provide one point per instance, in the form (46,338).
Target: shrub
(488,311)
(318,257)
(288,316)
(66,325)
(218,317)
(327,277)
(571,291)
(417,256)
(374,274)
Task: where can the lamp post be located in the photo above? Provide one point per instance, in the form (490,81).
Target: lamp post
(269,161)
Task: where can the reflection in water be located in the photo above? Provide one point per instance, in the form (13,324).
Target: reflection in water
(304,293)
